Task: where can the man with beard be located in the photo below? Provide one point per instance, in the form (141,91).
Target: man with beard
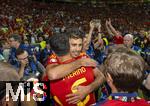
(72,71)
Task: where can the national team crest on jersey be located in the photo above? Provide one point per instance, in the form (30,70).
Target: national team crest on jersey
(53,60)
(81,76)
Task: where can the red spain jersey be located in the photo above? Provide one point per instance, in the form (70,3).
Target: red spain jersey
(81,76)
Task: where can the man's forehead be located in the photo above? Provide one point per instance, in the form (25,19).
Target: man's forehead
(127,37)
(75,39)
(25,53)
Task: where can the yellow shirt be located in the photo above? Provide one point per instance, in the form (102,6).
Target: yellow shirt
(43,44)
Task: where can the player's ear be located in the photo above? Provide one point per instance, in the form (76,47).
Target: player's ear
(109,78)
(110,82)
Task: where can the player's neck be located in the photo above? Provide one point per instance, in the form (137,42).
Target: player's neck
(114,90)
(65,58)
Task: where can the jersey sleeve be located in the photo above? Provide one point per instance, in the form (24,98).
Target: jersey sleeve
(52,59)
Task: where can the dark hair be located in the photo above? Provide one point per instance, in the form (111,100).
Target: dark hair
(16,37)
(76,33)
(126,69)
(59,43)
(41,37)
(19,51)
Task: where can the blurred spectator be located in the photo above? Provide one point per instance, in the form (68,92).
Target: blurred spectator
(28,66)
(120,67)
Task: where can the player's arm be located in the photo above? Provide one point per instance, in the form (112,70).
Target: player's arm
(56,71)
(83,91)
(99,79)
